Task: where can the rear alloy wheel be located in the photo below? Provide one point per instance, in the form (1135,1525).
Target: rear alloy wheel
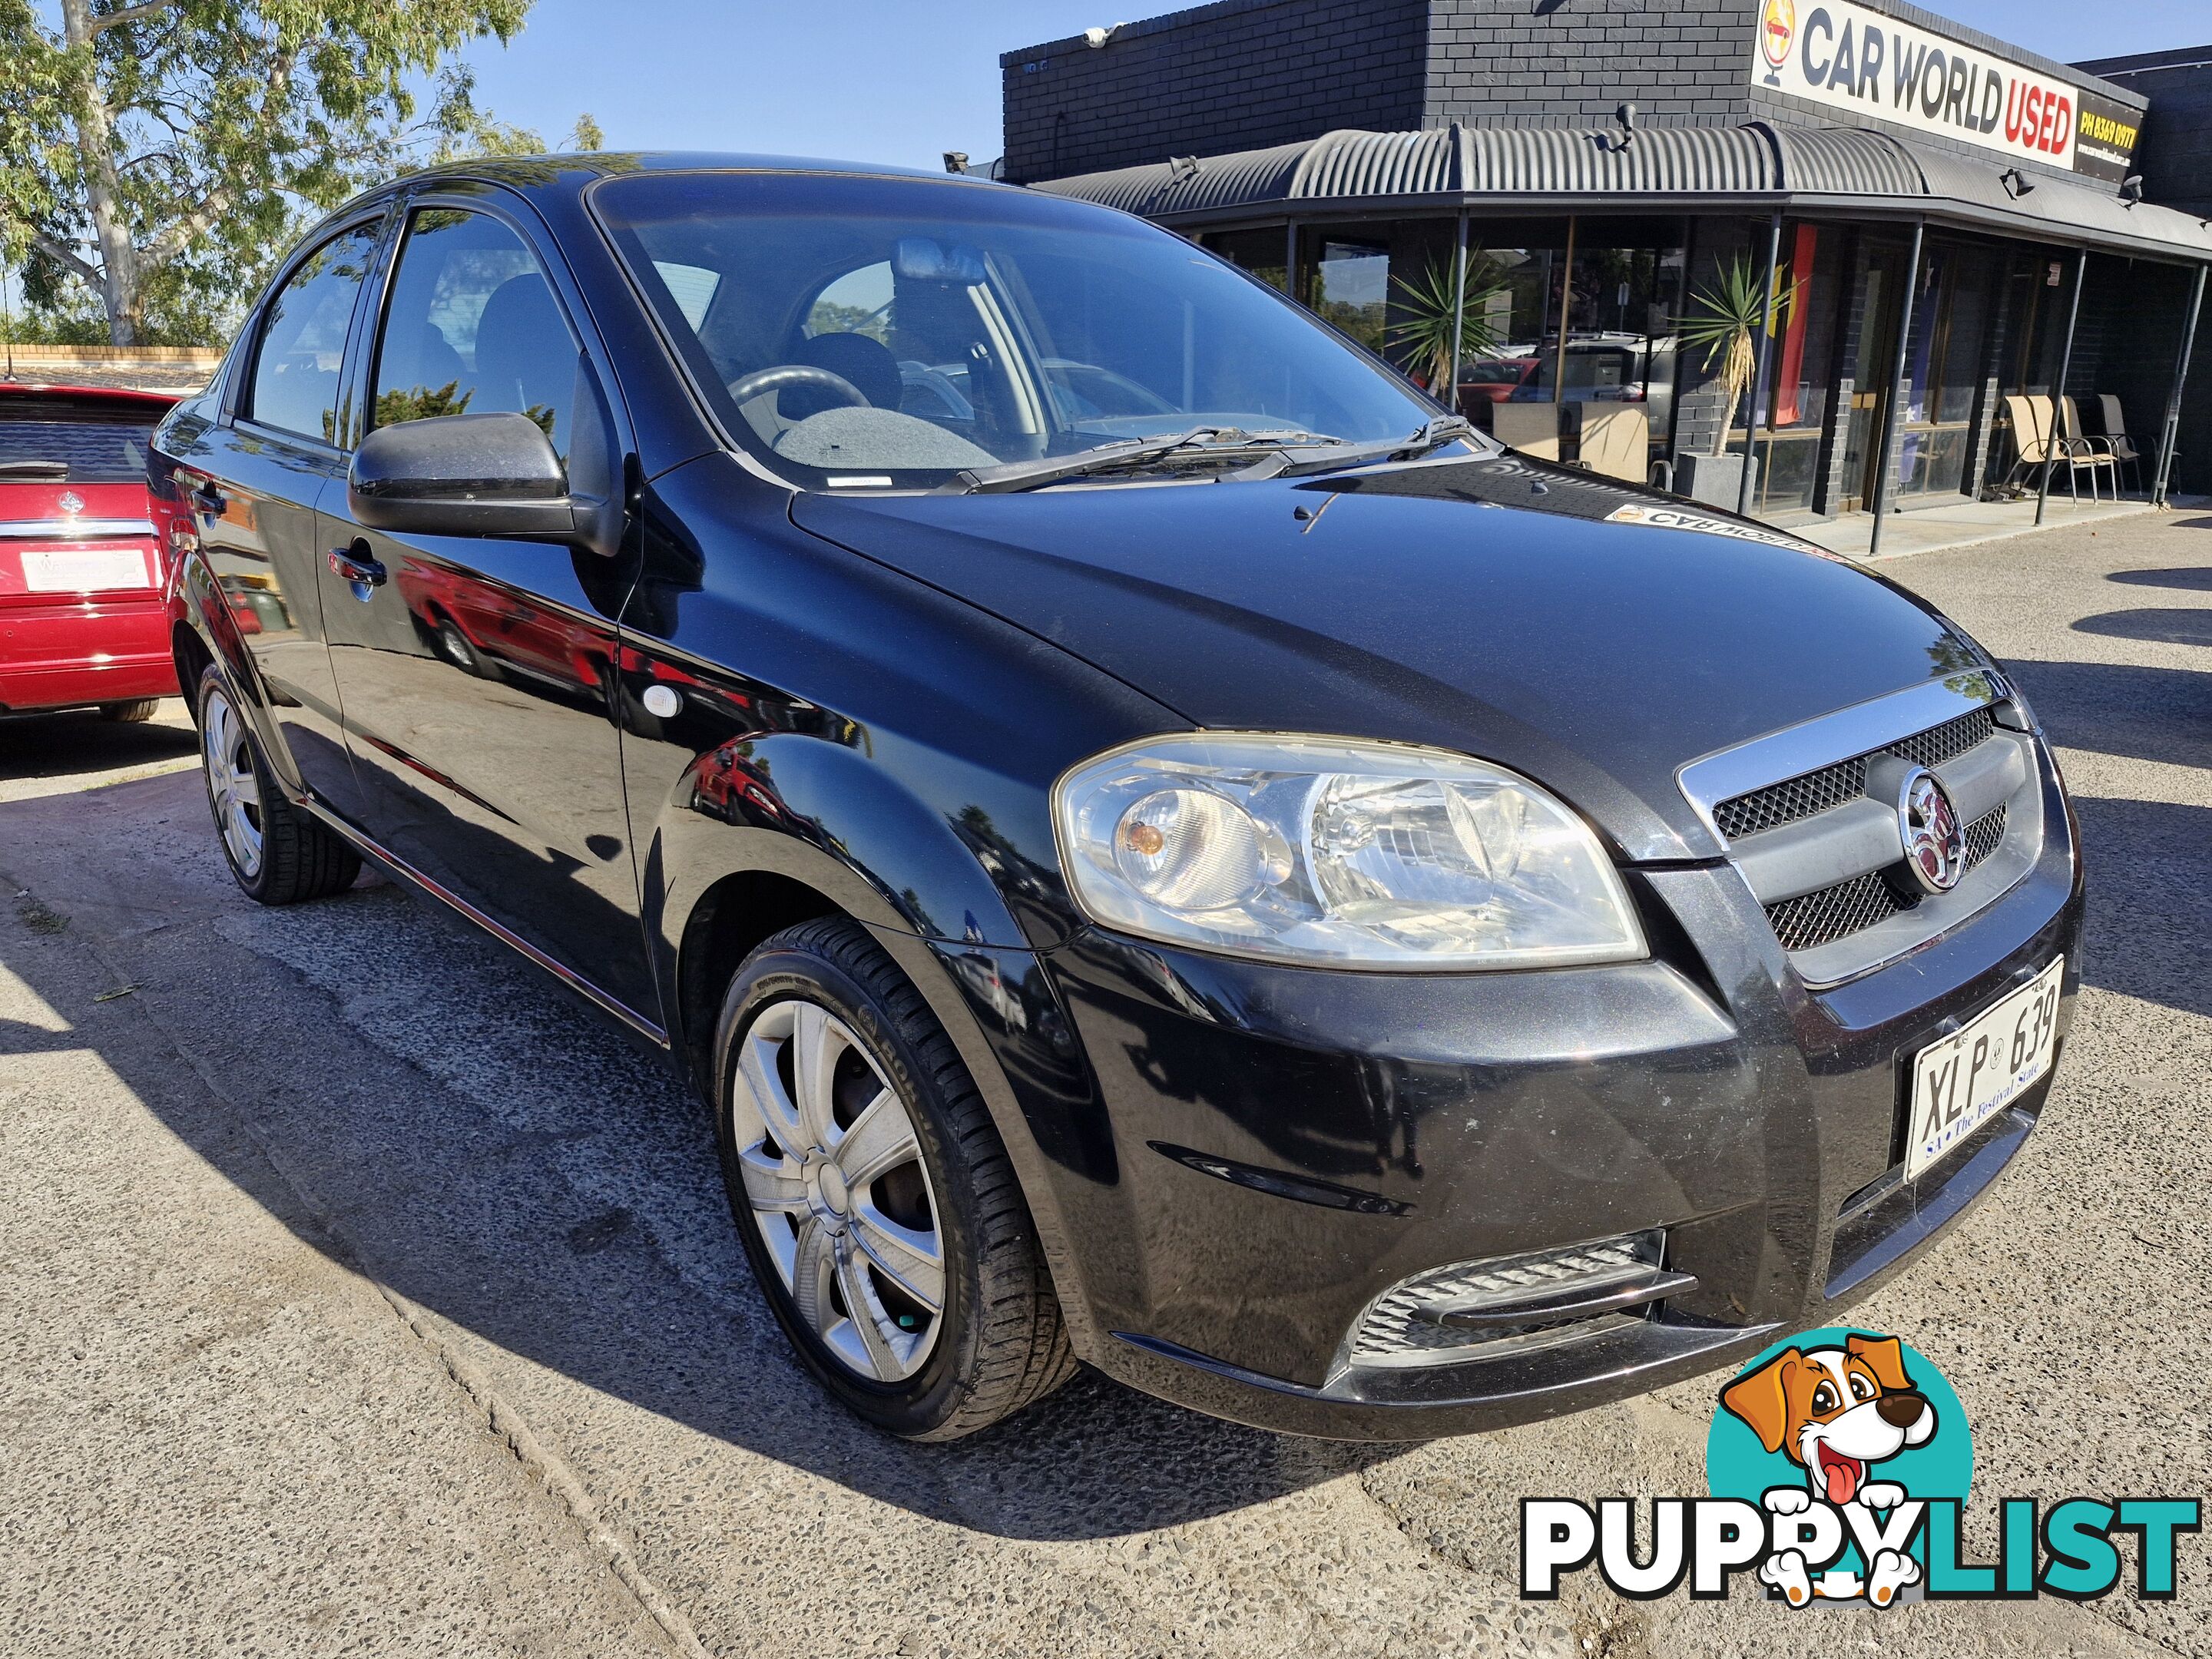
(277,854)
(877,1203)
(130,713)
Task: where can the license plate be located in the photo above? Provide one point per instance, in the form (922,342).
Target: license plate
(1960,1083)
(84,569)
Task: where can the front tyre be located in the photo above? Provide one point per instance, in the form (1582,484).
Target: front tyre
(277,852)
(877,1203)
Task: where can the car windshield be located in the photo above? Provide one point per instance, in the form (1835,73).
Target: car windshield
(73,451)
(858,332)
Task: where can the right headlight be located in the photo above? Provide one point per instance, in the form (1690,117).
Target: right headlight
(1332,852)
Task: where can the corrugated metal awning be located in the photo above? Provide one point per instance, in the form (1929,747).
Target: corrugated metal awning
(1771,164)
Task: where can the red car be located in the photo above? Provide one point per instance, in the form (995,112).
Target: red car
(84,552)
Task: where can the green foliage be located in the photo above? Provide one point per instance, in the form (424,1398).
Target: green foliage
(155,157)
(1723,319)
(828,317)
(585,137)
(1430,320)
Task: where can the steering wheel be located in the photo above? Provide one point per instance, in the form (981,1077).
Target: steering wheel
(780,376)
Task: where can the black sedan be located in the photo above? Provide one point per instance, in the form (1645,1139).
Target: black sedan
(1160,846)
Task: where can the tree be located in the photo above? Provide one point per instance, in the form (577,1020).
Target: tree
(161,153)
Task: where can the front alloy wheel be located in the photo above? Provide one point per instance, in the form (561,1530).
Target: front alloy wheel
(834,1175)
(877,1203)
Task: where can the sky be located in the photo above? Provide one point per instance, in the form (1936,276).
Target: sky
(904,81)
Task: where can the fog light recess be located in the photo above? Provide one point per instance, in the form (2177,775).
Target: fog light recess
(1511,1303)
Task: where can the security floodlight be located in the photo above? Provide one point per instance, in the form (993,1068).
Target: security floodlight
(2131,189)
(2016,183)
(956,161)
(1096,38)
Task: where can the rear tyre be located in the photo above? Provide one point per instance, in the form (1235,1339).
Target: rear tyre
(277,852)
(876,1200)
(130,713)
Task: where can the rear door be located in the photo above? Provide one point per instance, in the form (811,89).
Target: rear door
(252,484)
(475,672)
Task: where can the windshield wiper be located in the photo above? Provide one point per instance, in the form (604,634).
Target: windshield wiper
(1234,443)
(1279,453)
(56,470)
(1445,428)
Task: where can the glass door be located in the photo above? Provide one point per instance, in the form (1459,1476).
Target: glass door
(1885,281)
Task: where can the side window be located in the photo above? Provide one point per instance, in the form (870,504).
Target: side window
(473,329)
(295,371)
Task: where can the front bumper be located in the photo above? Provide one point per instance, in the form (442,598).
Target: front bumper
(1242,1157)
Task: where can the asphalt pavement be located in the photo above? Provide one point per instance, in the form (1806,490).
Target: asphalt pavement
(364,1294)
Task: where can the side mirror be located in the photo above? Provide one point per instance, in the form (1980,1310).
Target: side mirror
(464,475)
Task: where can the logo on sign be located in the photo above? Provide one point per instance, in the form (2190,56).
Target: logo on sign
(1777,23)
(71,502)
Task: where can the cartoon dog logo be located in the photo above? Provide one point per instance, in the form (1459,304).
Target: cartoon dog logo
(1836,1412)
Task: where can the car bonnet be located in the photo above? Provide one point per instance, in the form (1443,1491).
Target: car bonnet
(1534,616)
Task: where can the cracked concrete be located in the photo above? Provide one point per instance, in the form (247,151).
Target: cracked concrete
(366,1295)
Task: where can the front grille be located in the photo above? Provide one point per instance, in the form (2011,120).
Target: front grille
(1949,741)
(1401,1327)
(1832,785)
(1792,800)
(1984,836)
(1851,907)
(1834,913)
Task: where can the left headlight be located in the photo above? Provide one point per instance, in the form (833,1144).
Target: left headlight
(1330,851)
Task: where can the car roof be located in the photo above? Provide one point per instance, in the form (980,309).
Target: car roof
(568,174)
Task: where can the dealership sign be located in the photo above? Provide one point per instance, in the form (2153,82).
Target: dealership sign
(1850,57)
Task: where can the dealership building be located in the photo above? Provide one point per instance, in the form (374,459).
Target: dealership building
(1940,236)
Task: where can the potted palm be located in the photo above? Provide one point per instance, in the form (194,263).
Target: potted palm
(1432,328)
(1725,319)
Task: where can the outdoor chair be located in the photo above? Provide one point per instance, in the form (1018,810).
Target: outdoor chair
(1532,429)
(2115,433)
(2096,451)
(1616,442)
(2035,446)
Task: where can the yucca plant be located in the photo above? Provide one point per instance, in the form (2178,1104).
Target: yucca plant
(1425,328)
(1725,319)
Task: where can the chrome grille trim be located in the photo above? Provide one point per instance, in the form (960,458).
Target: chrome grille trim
(1800,798)
(1848,734)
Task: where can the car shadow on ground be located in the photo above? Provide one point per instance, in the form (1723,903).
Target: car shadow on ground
(2178,626)
(2127,710)
(2197,580)
(78,743)
(447,1122)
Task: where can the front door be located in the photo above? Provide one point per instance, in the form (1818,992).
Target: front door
(474,671)
(253,485)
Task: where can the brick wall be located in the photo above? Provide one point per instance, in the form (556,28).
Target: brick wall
(1546,64)
(1238,74)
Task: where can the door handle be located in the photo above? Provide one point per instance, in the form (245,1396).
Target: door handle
(353,565)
